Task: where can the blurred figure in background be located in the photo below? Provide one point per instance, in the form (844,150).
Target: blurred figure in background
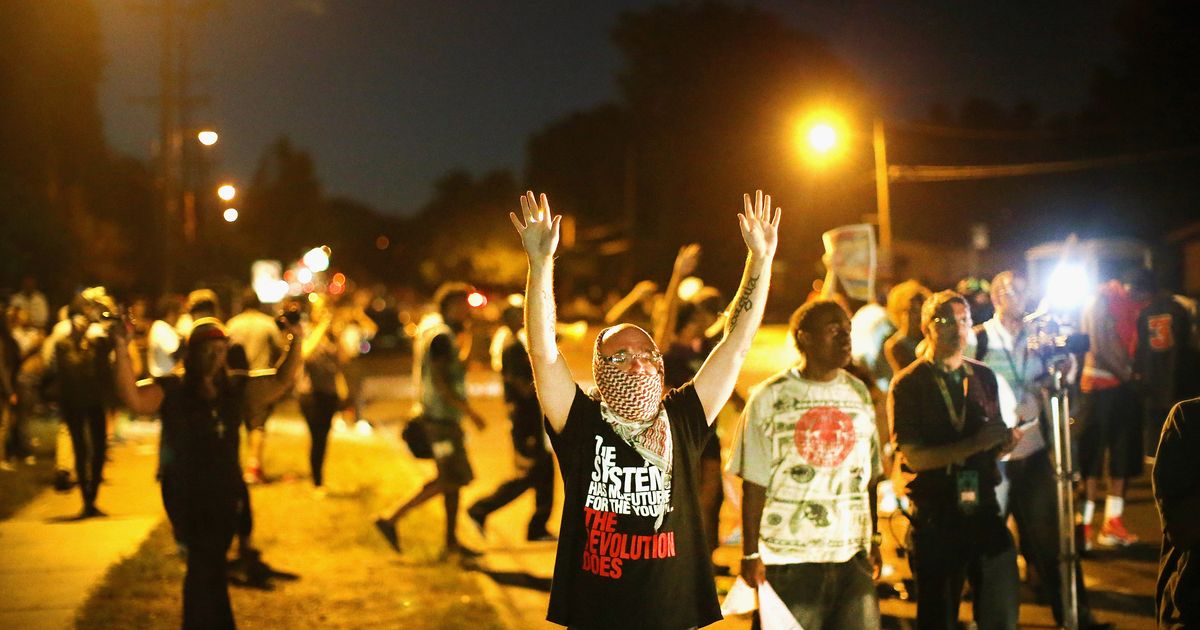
(10,364)
(317,387)
(84,374)
(1164,363)
(534,463)
(354,329)
(163,340)
(1110,411)
(904,310)
(440,373)
(261,342)
(33,301)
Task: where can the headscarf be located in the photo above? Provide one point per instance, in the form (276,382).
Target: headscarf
(631,402)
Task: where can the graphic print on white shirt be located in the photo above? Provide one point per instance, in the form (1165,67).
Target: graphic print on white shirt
(814,447)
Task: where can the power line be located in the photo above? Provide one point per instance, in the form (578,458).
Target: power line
(944,173)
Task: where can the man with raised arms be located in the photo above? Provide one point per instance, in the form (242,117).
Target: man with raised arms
(631,547)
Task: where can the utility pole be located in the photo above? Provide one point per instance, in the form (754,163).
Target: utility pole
(170,144)
(177,220)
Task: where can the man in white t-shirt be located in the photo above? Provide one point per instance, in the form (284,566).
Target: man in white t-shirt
(808,453)
(162,345)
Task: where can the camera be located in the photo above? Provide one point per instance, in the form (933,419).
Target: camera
(1053,337)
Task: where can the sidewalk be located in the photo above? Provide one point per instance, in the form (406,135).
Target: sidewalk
(42,594)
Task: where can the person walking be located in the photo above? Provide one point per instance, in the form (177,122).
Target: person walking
(534,462)
(440,373)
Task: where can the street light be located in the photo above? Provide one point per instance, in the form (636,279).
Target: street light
(821,136)
(230,214)
(226,192)
(207,137)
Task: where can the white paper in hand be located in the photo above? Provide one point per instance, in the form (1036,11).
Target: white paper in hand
(773,613)
(739,600)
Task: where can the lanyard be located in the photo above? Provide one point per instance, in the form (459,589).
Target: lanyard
(957,417)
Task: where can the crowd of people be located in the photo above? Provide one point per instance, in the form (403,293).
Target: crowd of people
(911,405)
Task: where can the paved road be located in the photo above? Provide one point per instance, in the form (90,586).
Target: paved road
(1121,581)
(45,593)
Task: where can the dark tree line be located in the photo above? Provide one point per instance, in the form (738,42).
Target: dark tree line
(708,101)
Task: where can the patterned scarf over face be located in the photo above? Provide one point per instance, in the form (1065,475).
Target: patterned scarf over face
(631,402)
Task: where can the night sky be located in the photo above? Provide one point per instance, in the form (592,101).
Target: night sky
(389,95)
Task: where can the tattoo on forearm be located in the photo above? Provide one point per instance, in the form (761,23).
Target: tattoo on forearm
(743,303)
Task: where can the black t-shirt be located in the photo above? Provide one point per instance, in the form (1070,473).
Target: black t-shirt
(200,437)
(613,569)
(1176,488)
(682,361)
(920,416)
(1164,358)
(523,409)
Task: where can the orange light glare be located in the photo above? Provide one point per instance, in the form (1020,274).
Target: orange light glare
(476,299)
(227,192)
(207,137)
(822,137)
(230,214)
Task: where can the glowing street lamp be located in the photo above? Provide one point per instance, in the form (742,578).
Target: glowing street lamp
(822,137)
(317,258)
(207,137)
(230,214)
(227,192)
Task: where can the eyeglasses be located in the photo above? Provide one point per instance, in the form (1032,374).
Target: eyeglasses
(625,358)
(947,322)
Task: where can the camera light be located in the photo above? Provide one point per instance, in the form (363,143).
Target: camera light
(1069,286)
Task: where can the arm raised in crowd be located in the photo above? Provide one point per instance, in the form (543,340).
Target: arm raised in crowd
(140,399)
(264,389)
(539,230)
(715,380)
(667,309)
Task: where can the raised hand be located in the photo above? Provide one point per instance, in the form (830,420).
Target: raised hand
(540,228)
(759,229)
(685,261)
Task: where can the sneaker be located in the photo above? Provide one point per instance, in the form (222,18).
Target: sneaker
(62,480)
(252,475)
(1114,534)
(389,533)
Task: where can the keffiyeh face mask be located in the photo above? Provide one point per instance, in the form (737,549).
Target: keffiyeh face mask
(634,395)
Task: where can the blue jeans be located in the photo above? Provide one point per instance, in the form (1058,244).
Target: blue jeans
(827,595)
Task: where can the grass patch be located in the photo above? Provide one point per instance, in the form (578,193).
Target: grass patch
(349,577)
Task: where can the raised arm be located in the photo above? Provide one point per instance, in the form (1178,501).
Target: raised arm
(143,400)
(539,230)
(264,389)
(667,309)
(716,378)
